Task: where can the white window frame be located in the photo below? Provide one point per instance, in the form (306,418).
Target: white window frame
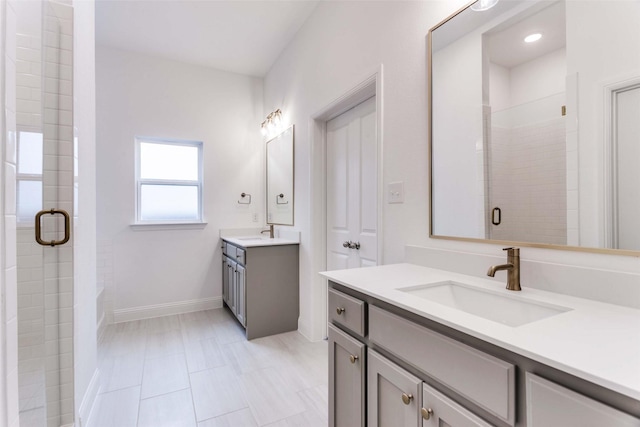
(140,182)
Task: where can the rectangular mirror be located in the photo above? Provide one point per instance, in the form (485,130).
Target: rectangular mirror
(280,186)
(534,124)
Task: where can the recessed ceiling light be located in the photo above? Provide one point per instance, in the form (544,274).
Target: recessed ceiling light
(481,5)
(533,38)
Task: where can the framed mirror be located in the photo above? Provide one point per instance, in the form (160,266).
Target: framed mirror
(280,187)
(534,124)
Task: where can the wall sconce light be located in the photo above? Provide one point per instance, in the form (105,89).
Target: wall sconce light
(272,124)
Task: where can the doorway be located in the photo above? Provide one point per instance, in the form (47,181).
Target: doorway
(315,325)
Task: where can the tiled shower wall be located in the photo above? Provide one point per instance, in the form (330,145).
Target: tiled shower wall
(58,185)
(29,253)
(9,415)
(528,182)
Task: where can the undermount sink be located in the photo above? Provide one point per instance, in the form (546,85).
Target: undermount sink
(508,310)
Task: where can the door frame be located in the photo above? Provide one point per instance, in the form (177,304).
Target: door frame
(370,85)
(610,90)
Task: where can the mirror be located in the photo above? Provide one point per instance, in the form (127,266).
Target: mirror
(535,143)
(280,178)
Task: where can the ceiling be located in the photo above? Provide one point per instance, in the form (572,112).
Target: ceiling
(240,36)
(507,46)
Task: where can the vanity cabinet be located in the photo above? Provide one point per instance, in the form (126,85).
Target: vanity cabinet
(260,287)
(423,374)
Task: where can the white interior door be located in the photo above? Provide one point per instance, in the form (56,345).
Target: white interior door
(627,158)
(352,229)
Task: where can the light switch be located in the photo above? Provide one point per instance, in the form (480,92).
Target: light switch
(395,192)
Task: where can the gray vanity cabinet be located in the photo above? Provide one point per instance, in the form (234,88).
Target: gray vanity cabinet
(347,371)
(260,287)
(393,394)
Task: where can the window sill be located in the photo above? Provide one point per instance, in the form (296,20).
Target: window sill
(151,226)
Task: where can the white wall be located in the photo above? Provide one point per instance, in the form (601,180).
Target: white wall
(338,47)
(146,96)
(541,77)
(85,360)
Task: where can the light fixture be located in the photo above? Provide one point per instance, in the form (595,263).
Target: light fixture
(482,5)
(271,125)
(533,38)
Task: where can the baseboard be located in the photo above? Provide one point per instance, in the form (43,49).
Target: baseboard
(89,399)
(159,310)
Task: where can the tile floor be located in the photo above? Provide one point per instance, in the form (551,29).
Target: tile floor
(198,369)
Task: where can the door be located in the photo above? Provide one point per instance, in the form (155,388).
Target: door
(45,189)
(352,226)
(438,410)
(627,174)
(347,372)
(393,394)
(231,303)
(225,279)
(240,294)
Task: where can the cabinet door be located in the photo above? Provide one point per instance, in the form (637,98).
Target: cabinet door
(232,285)
(346,380)
(550,404)
(225,280)
(393,396)
(241,295)
(438,410)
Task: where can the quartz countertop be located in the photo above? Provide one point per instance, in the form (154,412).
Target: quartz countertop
(595,341)
(255,241)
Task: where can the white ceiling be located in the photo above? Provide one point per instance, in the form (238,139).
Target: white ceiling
(507,46)
(240,36)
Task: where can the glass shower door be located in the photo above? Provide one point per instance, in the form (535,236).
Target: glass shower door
(44,208)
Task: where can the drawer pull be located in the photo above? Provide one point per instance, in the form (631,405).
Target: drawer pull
(407,398)
(426,413)
(353,358)
(340,310)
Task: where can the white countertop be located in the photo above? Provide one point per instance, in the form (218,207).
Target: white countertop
(594,341)
(254,241)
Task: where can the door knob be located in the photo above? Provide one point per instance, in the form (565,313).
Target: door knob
(426,413)
(346,244)
(354,245)
(407,398)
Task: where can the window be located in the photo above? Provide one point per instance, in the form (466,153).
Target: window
(28,176)
(168,181)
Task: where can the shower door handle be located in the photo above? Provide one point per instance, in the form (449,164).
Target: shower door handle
(67,231)
(495,211)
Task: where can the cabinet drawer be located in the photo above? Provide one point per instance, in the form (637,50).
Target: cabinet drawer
(437,410)
(347,311)
(483,379)
(550,404)
(240,256)
(223,246)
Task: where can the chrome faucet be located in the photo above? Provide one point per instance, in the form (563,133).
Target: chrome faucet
(269,230)
(513,269)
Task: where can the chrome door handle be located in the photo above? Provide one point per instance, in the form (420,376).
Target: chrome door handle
(354,245)
(67,227)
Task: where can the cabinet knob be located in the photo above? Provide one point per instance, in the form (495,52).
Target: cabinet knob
(353,358)
(340,310)
(407,398)
(426,413)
